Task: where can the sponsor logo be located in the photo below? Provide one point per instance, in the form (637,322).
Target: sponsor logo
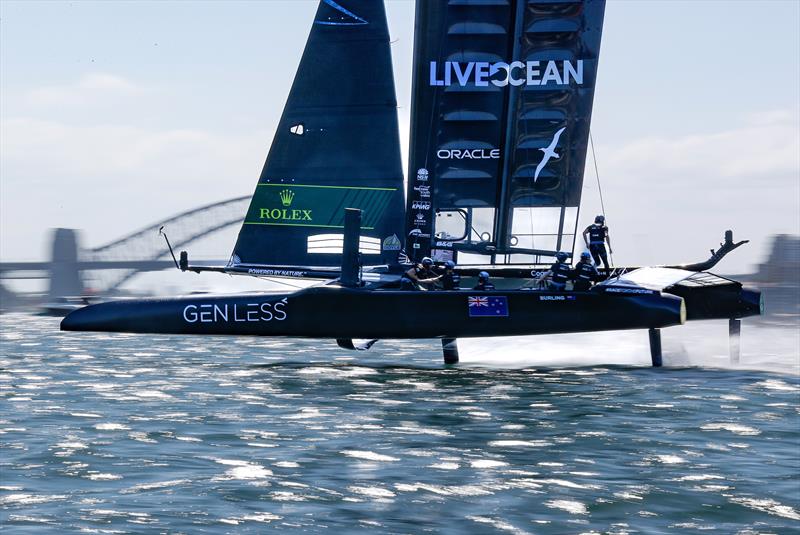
(276,272)
(286,198)
(235,313)
(419,220)
(549,153)
(310,205)
(501,74)
(392,243)
(556,298)
(468,154)
(629,291)
(424,191)
(444,244)
(277,214)
(421,205)
(422,175)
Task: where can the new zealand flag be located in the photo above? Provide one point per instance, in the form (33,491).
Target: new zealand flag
(487,306)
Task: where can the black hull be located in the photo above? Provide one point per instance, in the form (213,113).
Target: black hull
(336,312)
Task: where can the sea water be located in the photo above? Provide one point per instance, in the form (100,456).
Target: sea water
(118,433)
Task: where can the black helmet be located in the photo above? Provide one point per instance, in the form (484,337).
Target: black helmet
(483,276)
(427,262)
(586,256)
(561,256)
(600,219)
(450,264)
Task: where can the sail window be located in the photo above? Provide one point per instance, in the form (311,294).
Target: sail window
(482,224)
(542,228)
(298,129)
(451,225)
(334,244)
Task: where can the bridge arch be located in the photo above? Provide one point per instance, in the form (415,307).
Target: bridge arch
(145,244)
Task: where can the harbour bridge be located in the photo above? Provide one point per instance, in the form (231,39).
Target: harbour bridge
(111,265)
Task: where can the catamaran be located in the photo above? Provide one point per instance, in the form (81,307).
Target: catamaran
(502,99)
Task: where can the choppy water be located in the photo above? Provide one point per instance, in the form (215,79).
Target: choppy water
(137,434)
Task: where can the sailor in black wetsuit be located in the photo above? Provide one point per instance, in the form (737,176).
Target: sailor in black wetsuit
(558,273)
(596,236)
(584,273)
(450,280)
(483,282)
(418,275)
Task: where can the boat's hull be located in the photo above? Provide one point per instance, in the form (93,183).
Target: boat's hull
(336,312)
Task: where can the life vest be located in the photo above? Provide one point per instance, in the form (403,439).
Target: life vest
(560,272)
(423,273)
(585,271)
(451,281)
(484,286)
(597,234)
(584,274)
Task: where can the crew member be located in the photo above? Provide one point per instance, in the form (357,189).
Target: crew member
(596,236)
(558,274)
(420,274)
(483,282)
(584,273)
(450,280)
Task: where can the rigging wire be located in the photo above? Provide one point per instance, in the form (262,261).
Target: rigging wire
(599,187)
(597,174)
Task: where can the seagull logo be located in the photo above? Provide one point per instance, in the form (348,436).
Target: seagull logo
(549,153)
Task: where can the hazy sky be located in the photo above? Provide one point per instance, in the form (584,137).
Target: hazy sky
(114,115)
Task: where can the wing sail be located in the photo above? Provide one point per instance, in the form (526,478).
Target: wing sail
(503,95)
(337,146)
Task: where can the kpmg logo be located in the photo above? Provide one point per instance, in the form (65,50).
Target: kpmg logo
(549,153)
(421,205)
(500,74)
(279,215)
(468,154)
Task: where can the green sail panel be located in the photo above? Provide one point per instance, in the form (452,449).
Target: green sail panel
(305,205)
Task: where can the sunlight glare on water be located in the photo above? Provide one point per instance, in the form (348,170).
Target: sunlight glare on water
(569,433)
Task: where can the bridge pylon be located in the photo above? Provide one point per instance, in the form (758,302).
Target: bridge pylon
(65,277)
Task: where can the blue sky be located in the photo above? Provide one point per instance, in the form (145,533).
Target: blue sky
(114,115)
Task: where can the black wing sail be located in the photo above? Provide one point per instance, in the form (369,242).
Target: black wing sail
(503,93)
(337,146)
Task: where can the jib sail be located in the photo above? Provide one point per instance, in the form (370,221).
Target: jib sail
(337,146)
(502,100)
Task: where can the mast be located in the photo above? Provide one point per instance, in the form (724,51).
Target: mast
(502,218)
